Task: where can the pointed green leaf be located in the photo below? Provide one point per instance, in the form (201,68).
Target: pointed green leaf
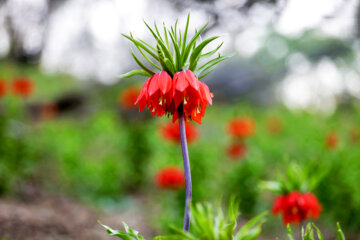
(195,55)
(135,73)
(209,54)
(320,236)
(339,232)
(185,34)
(141,64)
(192,42)
(139,44)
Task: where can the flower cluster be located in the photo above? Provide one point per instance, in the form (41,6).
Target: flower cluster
(21,86)
(239,129)
(171,132)
(184,92)
(296,207)
(170,177)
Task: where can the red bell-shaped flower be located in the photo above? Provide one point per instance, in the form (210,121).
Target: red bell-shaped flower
(192,94)
(297,207)
(156,95)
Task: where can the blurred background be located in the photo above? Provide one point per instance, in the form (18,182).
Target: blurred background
(74,148)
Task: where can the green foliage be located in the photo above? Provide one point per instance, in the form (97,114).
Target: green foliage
(176,56)
(207,223)
(297,178)
(129,234)
(311,232)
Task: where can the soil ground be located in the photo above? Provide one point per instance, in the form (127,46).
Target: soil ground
(49,217)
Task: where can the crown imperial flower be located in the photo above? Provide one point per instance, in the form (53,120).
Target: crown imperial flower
(177,87)
(296,207)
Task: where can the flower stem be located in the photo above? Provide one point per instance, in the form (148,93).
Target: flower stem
(188,186)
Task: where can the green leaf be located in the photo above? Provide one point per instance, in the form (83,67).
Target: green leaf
(141,64)
(146,57)
(339,232)
(185,35)
(192,42)
(116,233)
(320,236)
(211,63)
(290,234)
(177,52)
(205,74)
(134,73)
(208,54)
(252,228)
(140,44)
(195,55)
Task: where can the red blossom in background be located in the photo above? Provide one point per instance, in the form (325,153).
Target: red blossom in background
(354,134)
(22,86)
(48,111)
(241,127)
(171,177)
(296,207)
(171,132)
(236,151)
(162,94)
(274,125)
(331,140)
(128,97)
(2,87)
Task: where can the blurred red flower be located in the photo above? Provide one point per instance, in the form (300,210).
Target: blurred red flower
(163,94)
(354,134)
(274,125)
(2,87)
(241,127)
(171,132)
(296,207)
(331,140)
(170,177)
(48,111)
(22,86)
(236,150)
(128,97)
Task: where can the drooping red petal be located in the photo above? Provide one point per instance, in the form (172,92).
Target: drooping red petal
(142,99)
(165,82)
(181,82)
(205,93)
(192,79)
(153,86)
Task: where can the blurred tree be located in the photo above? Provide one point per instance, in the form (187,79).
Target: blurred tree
(26,25)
